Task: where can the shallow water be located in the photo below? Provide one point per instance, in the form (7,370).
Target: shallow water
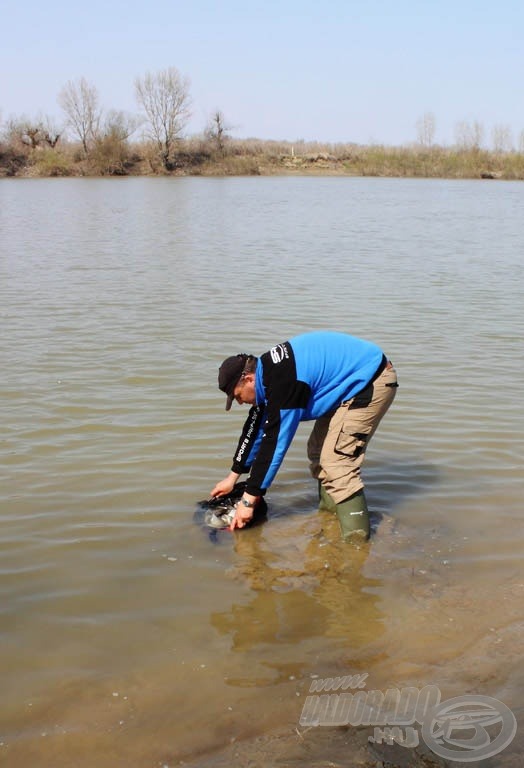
(127,635)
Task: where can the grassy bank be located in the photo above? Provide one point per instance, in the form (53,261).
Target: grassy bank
(262,158)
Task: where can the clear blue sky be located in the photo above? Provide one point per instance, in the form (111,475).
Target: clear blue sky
(333,71)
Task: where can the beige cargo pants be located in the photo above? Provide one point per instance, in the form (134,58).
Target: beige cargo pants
(337,445)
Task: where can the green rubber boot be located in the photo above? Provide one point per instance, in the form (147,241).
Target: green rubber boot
(353,517)
(326,502)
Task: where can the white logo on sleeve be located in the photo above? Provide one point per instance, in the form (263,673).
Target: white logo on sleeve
(278,353)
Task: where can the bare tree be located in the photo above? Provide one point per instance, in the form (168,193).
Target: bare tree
(502,138)
(426,129)
(120,124)
(25,131)
(50,132)
(80,103)
(469,135)
(217,130)
(110,154)
(31,135)
(477,134)
(164,97)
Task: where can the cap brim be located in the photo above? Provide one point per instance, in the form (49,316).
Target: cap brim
(229,401)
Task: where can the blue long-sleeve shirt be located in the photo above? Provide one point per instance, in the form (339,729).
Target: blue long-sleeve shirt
(299,380)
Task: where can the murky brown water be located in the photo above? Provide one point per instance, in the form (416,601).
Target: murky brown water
(127,636)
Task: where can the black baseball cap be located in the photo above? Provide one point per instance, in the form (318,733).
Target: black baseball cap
(229,374)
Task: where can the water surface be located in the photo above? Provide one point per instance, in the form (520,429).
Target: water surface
(127,636)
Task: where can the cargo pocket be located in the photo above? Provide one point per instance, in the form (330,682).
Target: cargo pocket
(351,444)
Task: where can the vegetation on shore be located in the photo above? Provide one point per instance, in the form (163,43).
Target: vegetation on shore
(114,156)
(91,142)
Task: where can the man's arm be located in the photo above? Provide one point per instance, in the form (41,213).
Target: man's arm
(249,439)
(286,399)
(279,431)
(245,451)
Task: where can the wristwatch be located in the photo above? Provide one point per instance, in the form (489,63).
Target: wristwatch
(247,503)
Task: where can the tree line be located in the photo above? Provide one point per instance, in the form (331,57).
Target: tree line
(469,135)
(90,139)
(165,108)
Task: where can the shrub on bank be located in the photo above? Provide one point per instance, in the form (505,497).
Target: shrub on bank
(110,156)
(52,163)
(12,162)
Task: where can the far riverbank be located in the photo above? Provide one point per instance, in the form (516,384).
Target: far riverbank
(261,158)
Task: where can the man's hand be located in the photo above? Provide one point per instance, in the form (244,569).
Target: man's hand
(226,485)
(243,514)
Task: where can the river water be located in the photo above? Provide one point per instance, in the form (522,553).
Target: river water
(128,636)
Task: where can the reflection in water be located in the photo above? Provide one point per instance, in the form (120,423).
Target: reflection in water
(308,585)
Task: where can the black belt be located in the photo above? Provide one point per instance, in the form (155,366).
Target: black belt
(382,367)
(384,363)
